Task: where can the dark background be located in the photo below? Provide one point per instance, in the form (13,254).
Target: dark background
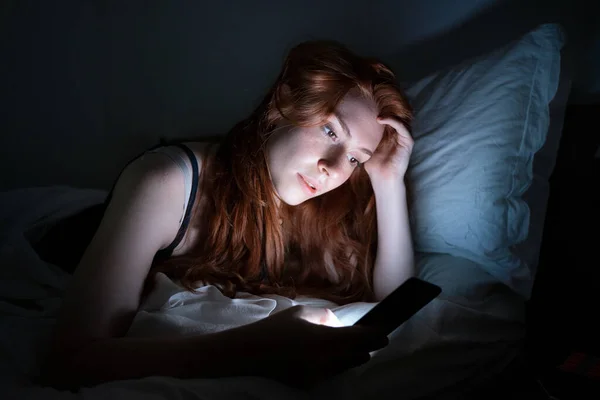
(563,313)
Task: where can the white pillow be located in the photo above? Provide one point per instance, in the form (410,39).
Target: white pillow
(477,128)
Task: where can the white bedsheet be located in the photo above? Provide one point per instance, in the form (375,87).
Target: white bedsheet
(460,339)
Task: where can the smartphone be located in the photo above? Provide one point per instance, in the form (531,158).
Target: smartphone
(400,305)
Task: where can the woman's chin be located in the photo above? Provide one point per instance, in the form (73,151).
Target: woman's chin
(288,202)
(297,200)
(292,200)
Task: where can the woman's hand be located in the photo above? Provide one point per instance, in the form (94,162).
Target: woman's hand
(391,162)
(302,345)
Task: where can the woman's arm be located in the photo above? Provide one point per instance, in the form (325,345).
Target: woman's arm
(394,263)
(111,359)
(104,293)
(296,346)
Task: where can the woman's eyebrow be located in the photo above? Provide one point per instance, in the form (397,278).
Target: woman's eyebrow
(343,124)
(347,131)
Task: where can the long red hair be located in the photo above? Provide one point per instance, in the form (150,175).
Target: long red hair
(324,247)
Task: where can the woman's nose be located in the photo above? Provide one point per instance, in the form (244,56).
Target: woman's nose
(330,168)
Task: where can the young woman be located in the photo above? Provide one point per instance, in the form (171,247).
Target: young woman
(305,196)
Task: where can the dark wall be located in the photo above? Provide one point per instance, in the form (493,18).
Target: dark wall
(85,85)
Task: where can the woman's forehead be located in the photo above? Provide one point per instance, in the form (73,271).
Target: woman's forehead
(360,115)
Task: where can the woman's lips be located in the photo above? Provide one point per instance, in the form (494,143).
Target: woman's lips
(307,188)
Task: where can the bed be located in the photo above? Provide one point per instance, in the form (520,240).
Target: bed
(486,137)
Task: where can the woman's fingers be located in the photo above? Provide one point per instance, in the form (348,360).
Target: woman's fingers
(397,125)
(347,361)
(330,319)
(338,337)
(319,316)
(358,338)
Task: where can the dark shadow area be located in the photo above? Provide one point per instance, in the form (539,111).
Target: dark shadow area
(497,25)
(562,313)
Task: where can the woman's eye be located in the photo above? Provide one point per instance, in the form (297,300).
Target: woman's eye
(354,162)
(329,132)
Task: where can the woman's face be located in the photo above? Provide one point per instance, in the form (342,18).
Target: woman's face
(307,162)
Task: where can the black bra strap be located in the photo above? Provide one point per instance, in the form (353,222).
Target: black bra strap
(188,212)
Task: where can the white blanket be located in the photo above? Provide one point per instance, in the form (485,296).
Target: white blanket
(461,339)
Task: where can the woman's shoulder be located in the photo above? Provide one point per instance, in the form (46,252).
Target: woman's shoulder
(201,149)
(180,156)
